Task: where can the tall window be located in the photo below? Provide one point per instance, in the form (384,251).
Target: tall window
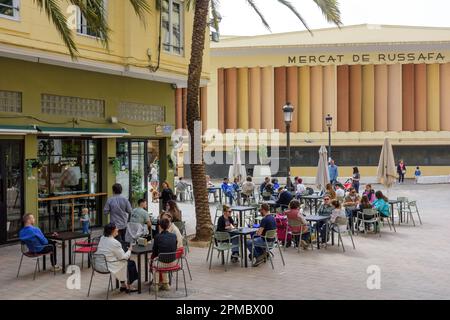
(83,25)
(9,9)
(172,26)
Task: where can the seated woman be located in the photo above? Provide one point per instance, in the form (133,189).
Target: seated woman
(165,242)
(248,189)
(381,204)
(364,204)
(296,213)
(174,211)
(330,191)
(300,189)
(370,193)
(118,260)
(225,224)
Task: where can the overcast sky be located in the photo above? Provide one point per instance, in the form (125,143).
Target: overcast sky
(239,19)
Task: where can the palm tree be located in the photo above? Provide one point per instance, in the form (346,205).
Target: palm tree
(329,8)
(203,228)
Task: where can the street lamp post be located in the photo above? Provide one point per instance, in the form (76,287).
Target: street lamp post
(329,123)
(288,111)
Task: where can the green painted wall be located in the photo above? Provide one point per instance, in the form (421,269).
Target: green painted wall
(34,79)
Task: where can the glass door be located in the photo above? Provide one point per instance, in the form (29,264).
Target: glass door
(11,189)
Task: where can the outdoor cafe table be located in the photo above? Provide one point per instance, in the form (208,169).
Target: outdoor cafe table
(242,233)
(271,203)
(392,203)
(316,219)
(139,251)
(215,189)
(312,198)
(69,236)
(241,210)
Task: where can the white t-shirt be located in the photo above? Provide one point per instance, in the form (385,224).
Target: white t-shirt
(340,193)
(301,188)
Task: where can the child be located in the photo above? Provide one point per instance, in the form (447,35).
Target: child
(417,174)
(337,211)
(85,220)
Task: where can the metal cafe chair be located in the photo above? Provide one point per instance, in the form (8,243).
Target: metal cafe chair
(368,216)
(84,247)
(336,227)
(270,240)
(181,225)
(222,242)
(35,256)
(168,263)
(100,265)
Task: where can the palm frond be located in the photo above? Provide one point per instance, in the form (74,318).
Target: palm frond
(190,4)
(94,13)
(330,10)
(54,14)
(259,13)
(291,7)
(141,7)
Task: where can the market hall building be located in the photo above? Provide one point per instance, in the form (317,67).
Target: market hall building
(374,80)
(70,129)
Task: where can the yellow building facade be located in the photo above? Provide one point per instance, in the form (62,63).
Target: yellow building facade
(71,128)
(375,81)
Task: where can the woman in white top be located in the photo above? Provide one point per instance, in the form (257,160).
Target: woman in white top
(117,259)
(300,187)
(173,228)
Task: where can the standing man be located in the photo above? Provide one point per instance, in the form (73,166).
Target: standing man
(119,208)
(333,171)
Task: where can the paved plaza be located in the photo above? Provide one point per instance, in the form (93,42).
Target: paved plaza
(414,264)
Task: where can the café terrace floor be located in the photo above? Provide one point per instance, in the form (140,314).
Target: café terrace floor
(414,264)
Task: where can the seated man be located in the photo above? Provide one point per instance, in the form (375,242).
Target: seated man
(140,222)
(263,185)
(248,189)
(351,202)
(225,224)
(326,209)
(267,223)
(284,198)
(227,190)
(36,241)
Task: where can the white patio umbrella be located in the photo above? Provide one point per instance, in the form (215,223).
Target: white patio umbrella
(237,170)
(387,172)
(323,177)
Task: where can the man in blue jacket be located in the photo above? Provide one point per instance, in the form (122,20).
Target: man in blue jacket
(333,171)
(35,240)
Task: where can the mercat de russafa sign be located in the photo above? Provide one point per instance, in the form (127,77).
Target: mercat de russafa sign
(375,58)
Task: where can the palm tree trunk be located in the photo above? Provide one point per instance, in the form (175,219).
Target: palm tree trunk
(203,227)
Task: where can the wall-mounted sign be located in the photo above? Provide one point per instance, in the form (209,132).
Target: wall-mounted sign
(406,57)
(164,130)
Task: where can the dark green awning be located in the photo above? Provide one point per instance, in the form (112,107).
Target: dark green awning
(18,130)
(87,132)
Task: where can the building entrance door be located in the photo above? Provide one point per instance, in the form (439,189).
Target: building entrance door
(11,189)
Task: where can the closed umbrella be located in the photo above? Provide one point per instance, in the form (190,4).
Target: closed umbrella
(322,178)
(237,169)
(387,173)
